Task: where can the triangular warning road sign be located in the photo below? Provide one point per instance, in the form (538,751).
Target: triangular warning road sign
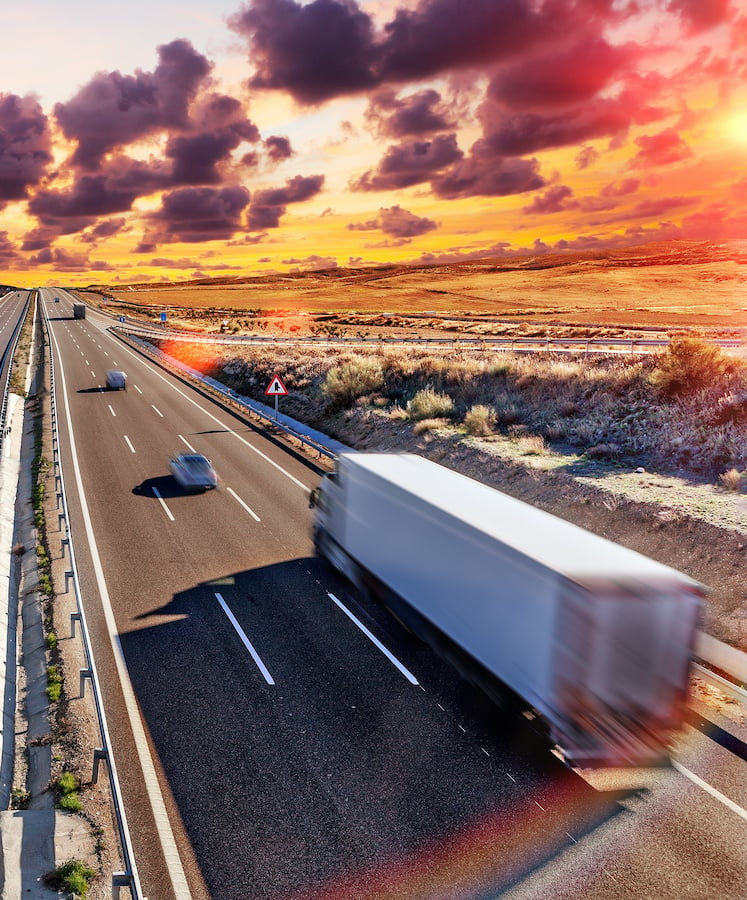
(276,387)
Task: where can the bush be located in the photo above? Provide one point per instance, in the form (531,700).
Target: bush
(689,365)
(732,480)
(427,404)
(479,421)
(72,877)
(344,384)
(69,799)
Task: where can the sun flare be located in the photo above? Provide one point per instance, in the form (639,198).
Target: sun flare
(736,127)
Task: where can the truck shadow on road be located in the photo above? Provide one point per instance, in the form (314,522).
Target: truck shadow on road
(338,777)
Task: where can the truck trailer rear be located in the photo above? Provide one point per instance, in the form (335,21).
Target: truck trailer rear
(79,310)
(593,637)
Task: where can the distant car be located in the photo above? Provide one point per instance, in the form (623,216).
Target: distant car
(56,299)
(116,380)
(193,472)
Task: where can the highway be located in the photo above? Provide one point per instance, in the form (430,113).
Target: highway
(277,736)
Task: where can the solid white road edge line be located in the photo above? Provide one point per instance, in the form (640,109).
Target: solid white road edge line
(390,656)
(251,512)
(729,804)
(150,779)
(163,503)
(245,640)
(222,424)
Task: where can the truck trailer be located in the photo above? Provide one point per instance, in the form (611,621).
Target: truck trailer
(79,310)
(593,639)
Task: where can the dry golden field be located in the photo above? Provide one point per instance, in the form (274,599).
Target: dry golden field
(677,285)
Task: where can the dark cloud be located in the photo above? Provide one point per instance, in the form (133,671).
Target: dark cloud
(568,76)
(620,188)
(194,214)
(269,205)
(312,263)
(522,133)
(8,250)
(439,35)
(487,174)
(586,156)
(659,206)
(24,146)
(91,196)
(660,149)
(397,222)
(64,261)
(218,125)
(278,148)
(410,163)
(314,51)
(104,229)
(329,48)
(556,199)
(415,115)
(113,110)
(700,15)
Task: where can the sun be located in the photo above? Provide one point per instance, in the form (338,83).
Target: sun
(736,127)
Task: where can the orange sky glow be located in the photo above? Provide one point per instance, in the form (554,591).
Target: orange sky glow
(278,136)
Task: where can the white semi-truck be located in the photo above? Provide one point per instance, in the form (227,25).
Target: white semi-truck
(592,637)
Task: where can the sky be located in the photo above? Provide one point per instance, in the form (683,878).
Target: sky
(159,140)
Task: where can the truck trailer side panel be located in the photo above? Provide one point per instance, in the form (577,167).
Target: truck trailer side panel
(492,601)
(595,637)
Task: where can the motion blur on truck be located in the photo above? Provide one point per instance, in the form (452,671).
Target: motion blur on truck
(591,637)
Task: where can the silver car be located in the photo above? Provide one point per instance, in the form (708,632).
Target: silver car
(193,471)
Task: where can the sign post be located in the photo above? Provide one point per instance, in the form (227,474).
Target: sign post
(275,389)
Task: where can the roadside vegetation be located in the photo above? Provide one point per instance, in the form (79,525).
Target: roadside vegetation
(681,411)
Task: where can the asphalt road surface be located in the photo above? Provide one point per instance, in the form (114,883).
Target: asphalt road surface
(277,737)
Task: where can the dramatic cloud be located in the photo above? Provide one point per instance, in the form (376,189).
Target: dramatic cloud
(314,51)
(113,110)
(565,77)
(269,205)
(329,48)
(416,115)
(411,163)
(278,148)
(487,174)
(197,214)
(397,222)
(8,251)
(554,200)
(660,149)
(700,15)
(24,146)
(104,229)
(219,125)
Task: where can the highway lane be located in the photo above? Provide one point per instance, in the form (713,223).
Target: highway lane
(339,772)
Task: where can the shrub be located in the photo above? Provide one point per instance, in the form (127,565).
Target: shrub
(479,421)
(427,404)
(688,365)
(345,383)
(732,480)
(429,425)
(69,799)
(54,684)
(72,877)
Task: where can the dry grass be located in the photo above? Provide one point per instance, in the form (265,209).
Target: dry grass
(606,407)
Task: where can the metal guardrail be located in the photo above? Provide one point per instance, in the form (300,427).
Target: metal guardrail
(737,693)
(9,355)
(559,345)
(229,396)
(128,878)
